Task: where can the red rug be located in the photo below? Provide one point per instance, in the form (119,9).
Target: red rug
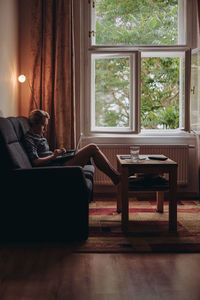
(149,229)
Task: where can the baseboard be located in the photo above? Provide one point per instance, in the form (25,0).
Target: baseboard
(110,191)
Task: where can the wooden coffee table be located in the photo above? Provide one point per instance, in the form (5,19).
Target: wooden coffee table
(147,166)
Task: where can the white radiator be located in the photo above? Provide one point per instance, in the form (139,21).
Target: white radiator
(178,153)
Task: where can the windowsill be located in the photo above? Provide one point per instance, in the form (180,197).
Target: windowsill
(145,132)
(145,137)
(161,133)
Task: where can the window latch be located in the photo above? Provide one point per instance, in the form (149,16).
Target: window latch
(92,33)
(93,3)
(193,90)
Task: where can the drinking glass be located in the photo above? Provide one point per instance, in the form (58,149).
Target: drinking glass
(134,151)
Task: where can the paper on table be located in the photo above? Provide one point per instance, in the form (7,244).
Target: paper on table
(141,157)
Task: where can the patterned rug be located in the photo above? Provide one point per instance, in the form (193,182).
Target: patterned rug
(149,229)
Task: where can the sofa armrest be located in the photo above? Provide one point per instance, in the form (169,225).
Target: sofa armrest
(61,180)
(47,172)
(47,203)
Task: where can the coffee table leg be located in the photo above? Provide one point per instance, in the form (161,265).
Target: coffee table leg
(119,190)
(124,198)
(160,201)
(172,199)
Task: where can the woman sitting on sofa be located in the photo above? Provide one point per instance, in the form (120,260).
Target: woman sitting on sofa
(40,154)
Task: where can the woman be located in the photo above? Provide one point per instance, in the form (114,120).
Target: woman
(40,155)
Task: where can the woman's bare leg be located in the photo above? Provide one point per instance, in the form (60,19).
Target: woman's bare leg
(102,163)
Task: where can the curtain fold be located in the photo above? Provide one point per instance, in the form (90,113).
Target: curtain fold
(198,7)
(52,74)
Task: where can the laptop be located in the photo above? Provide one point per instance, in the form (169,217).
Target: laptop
(71,152)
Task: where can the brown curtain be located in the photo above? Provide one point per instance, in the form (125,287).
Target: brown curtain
(52,75)
(198,7)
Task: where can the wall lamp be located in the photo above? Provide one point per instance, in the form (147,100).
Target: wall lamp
(22,78)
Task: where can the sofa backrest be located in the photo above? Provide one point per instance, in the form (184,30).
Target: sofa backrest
(12,152)
(20,125)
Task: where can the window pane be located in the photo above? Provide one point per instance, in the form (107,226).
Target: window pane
(162,92)
(112,92)
(138,22)
(195,91)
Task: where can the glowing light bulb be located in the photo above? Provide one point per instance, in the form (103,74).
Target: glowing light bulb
(22,78)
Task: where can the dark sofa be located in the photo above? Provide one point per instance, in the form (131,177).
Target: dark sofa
(40,204)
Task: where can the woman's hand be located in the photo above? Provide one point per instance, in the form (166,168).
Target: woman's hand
(58,152)
(63,150)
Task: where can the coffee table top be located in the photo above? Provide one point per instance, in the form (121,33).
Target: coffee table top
(125,160)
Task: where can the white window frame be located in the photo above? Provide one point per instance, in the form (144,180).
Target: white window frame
(195,127)
(186,15)
(182,53)
(134,58)
(90,50)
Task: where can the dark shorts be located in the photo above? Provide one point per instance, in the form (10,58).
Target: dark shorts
(60,161)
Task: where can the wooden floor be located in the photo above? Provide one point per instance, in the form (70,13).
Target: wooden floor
(51,273)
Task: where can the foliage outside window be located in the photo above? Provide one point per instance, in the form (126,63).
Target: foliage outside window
(160,93)
(136,22)
(112,83)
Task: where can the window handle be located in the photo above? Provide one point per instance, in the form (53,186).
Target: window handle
(93,3)
(91,33)
(193,90)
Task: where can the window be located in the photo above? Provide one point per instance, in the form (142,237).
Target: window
(120,22)
(195,91)
(113,91)
(138,66)
(162,90)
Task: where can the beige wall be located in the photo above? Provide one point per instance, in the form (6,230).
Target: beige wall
(25,57)
(8,57)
